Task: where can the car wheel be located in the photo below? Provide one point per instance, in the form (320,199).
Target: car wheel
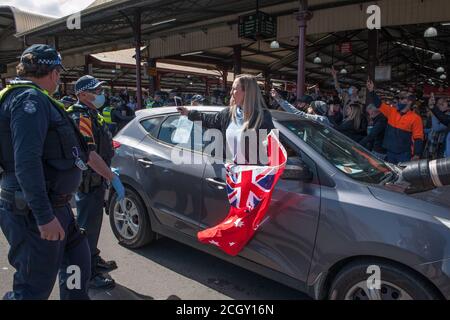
(131,224)
(396,283)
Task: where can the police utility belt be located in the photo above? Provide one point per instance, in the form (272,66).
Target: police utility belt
(20,206)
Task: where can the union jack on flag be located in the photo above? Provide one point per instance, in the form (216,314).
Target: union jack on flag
(249,190)
(261,184)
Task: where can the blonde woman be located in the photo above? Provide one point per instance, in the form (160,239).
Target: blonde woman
(247,114)
(354,125)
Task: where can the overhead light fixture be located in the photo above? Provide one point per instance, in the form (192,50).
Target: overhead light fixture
(317,60)
(440,70)
(163,22)
(436,56)
(443,77)
(275,45)
(431,32)
(191,53)
(191,83)
(363,67)
(344,71)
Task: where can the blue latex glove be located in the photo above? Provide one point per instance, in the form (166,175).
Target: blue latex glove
(117,185)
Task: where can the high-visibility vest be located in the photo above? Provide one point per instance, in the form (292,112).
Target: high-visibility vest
(10,87)
(107,115)
(101,120)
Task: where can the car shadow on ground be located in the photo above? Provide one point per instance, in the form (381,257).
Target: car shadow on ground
(219,275)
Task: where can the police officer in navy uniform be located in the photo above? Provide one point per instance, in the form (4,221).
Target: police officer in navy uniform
(42,154)
(90,197)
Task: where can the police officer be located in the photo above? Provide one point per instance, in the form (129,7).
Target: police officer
(122,115)
(197,100)
(43,155)
(67,101)
(107,115)
(90,197)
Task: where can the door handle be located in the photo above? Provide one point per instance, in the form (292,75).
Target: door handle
(145,163)
(216,183)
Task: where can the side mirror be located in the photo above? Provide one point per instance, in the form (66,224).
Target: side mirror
(296,169)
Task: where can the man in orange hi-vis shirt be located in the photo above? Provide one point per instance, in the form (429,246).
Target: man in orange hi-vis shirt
(404,135)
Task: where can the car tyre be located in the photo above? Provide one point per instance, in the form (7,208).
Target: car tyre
(132,228)
(396,283)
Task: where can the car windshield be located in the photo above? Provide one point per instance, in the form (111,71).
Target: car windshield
(346,155)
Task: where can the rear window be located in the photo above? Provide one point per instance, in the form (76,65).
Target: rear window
(152,125)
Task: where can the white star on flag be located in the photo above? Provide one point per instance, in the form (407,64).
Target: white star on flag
(238,223)
(214,243)
(232,244)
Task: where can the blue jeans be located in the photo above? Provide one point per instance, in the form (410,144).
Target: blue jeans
(90,218)
(38,262)
(396,158)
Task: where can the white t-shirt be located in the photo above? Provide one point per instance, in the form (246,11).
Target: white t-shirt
(234,137)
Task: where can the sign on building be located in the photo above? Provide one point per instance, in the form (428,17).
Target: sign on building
(345,48)
(383,73)
(257,26)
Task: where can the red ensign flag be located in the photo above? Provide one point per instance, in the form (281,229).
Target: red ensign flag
(249,192)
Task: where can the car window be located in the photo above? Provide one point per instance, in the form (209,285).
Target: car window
(152,125)
(340,151)
(180,131)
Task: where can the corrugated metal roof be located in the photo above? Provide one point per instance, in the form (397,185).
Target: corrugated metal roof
(25,21)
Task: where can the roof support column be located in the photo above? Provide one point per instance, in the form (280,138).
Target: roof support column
(302,16)
(137,37)
(206,87)
(267,83)
(225,79)
(152,75)
(158,81)
(237,60)
(373,53)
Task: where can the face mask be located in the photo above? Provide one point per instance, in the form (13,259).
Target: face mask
(99,101)
(401,106)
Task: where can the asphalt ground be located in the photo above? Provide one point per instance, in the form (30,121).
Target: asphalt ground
(170,270)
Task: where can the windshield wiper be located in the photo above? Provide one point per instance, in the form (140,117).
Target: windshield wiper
(389,177)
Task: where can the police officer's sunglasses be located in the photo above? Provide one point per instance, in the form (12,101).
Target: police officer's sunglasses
(96,91)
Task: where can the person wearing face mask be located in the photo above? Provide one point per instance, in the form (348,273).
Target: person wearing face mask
(42,154)
(90,196)
(404,135)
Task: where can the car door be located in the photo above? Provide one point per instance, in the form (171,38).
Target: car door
(286,237)
(174,188)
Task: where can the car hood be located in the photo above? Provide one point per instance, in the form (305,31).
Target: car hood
(439,196)
(435,202)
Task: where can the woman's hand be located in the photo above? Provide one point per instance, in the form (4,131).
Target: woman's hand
(183,111)
(333,72)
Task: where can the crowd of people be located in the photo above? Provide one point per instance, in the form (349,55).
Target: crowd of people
(397,129)
(400,129)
